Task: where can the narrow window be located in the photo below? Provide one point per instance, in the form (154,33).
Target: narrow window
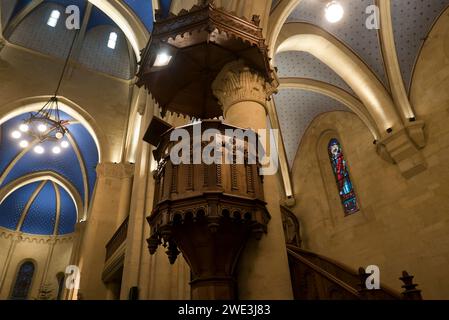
(60,277)
(341,172)
(54,17)
(112,42)
(23,281)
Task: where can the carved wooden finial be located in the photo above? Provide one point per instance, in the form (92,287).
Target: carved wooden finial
(362,276)
(172,252)
(410,292)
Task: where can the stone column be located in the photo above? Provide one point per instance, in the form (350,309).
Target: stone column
(263,271)
(101,225)
(125,194)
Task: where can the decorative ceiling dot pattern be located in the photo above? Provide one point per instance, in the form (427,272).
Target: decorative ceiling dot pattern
(305,65)
(36,205)
(41,216)
(33,32)
(296,110)
(351,29)
(12,207)
(412,22)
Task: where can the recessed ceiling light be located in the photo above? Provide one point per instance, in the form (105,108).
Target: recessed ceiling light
(334,12)
(162,60)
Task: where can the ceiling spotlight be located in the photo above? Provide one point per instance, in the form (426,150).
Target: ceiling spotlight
(16,134)
(42,128)
(64,144)
(39,149)
(23,144)
(24,127)
(56,150)
(334,12)
(162,60)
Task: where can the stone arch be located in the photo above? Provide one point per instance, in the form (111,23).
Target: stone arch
(127,21)
(95,54)
(325,47)
(43,176)
(335,93)
(277,20)
(118,11)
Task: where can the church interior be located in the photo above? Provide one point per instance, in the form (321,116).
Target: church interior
(353,96)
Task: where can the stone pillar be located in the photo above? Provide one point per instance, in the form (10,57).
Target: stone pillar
(101,225)
(263,271)
(137,212)
(125,194)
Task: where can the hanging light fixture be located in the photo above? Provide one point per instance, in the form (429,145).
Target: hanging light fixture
(45,124)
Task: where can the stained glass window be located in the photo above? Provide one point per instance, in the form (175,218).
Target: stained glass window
(23,281)
(341,172)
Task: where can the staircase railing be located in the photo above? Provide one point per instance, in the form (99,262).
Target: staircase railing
(318,277)
(339,278)
(313,282)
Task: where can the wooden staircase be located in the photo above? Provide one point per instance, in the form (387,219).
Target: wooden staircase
(315,277)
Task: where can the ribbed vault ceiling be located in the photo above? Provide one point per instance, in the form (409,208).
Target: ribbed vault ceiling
(412,22)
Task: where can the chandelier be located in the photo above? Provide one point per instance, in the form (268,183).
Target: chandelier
(45,125)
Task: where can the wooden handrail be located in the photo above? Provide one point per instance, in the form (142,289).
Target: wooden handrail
(325,274)
(387,290)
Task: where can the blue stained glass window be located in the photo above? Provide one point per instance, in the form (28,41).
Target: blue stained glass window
(24,278)
(341,172)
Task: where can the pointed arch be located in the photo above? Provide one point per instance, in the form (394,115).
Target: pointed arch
(325,47)
(336,93)
(277,20)
(23,281)
(117,10)
(42,176)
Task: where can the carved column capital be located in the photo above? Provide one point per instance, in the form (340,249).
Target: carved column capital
(115,170)
(236,83)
